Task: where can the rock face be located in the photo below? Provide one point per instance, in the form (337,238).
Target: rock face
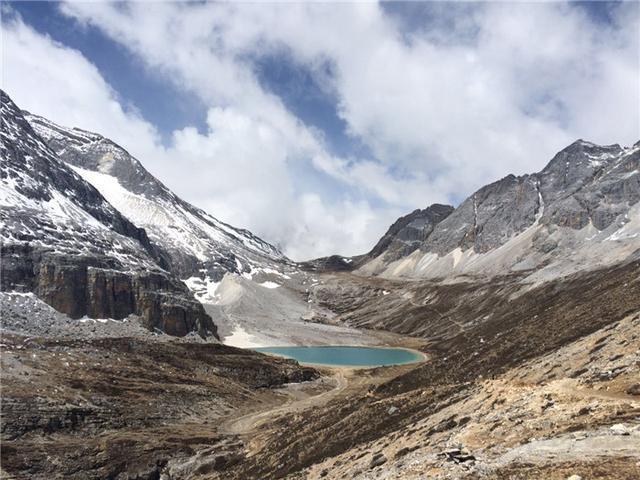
(196,244)
(408,233)
(581,210)
(332,263)
(76,287)
(63,241)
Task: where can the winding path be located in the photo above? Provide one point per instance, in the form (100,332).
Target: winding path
(253,420)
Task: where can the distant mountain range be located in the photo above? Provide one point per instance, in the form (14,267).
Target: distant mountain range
(92,233)
(581,211)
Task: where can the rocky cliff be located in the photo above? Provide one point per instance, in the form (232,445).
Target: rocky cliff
(66,243)
(581,211)
(408,233)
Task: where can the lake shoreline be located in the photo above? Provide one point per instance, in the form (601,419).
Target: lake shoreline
(351,361)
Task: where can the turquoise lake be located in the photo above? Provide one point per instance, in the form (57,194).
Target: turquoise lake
(347,356)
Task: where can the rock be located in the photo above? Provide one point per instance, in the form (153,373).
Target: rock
(408,232)
(633,389)
(393,410)
(574,477)
(584,411)
(377,460)
(403,451)
(548,404)
(451,452)
(458,455)
(619,429)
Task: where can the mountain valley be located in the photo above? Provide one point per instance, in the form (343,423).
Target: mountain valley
(129,315)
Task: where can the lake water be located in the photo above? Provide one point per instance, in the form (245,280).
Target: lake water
(347,356)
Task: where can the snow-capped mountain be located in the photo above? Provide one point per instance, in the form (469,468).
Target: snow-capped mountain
(581,211)
(195,241)
(41,197)
(64,241)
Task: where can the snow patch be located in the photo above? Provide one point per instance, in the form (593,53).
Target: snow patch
(275,272)
(86,319)
(457,255)
(242,339)
(203,289)
(19,294)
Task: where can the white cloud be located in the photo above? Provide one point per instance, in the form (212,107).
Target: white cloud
(57,82)
(238,170)
(445,108)
(529,78)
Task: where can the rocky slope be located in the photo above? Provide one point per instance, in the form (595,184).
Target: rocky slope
(63,241)
(95,408)
(580,211)
(251,290)
(266,287)
(408,233)
(512,374)
(572,411)
(197,244)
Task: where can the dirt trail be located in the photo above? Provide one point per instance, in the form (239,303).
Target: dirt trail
(295,403)
(570,387)
(345,381)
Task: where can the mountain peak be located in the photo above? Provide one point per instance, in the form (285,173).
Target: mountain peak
(194,240)
(528,222)
(408,232)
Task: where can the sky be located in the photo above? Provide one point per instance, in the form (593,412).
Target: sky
(316,125)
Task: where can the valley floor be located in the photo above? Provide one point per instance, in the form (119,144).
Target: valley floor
(545,387)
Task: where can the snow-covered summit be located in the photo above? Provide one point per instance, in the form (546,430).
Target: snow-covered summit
(195,241)
(46,204)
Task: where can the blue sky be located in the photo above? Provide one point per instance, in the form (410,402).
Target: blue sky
(317,125)
(171,108)
(166,107)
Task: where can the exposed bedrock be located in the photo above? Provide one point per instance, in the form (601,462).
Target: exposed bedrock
(92,286)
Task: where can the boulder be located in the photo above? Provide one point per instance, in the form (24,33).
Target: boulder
(377,460)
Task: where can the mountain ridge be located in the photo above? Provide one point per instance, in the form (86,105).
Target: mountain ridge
(62,240)
(583,187)
(215,245)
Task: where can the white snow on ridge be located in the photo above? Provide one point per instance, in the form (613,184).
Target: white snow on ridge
(40,222)
(169,223)
(269,284)
(203,290)
(275,272)
(86,319)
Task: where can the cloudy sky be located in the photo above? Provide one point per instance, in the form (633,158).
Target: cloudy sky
(316,125)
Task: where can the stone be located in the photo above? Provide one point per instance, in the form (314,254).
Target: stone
(633,389)
(408,232)
(458,455)
(619,429)
(377,460)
